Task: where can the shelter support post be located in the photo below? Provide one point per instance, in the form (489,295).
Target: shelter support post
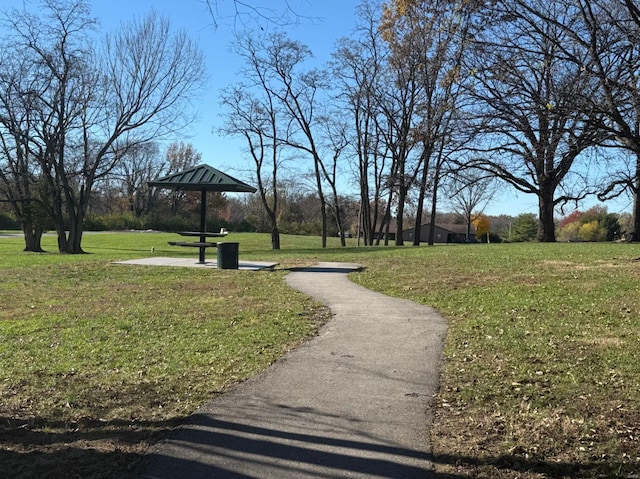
(203,224)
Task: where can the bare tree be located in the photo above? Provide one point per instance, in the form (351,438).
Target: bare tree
(336,137)
(469,194)
(293,91)
(248,118)
(180,156)
(603,43)
(247,13)
(93,105)
(297,91)
(256,118)
(357,65)
(137,167)
(397,100)
(532,112)
(610,32)
(433,36)
(19,178)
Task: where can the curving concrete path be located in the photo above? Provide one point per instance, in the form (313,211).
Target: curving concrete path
(354,402)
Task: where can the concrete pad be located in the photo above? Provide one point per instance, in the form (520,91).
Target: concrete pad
(354,402)
(193,263)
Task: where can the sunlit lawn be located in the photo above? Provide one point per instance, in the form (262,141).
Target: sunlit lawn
(541,374)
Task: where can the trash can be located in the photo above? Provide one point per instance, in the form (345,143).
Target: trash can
(227,255)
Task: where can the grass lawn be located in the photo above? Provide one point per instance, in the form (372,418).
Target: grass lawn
(540,377)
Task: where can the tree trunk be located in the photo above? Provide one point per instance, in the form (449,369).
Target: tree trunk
(61,232)
(426,157)
(434,204)
(56,210)
(32,238)
(275,237)
(31,217)
(402,197)
(365,219)
(323,201)
(635,234)
(386,220)
(432,221)
(76,211)
(323,213)
(418,227)
(273,218)
(272,212)
(386,232)
(365,205)
(546,225)
(73,219)
(374,215)
(343,241)
(76,228)
(336,213)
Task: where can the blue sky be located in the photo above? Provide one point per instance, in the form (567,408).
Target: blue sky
(317,23)
(320,23)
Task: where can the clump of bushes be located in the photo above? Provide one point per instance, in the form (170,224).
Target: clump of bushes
(595,224)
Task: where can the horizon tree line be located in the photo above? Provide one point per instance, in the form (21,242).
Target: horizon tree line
(433,93)
(423,98)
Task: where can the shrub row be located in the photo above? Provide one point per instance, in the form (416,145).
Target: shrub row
(128,221)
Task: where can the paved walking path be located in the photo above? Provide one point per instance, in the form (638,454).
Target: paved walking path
(351,403)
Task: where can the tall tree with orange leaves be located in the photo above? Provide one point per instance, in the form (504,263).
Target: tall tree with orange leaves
(483,226)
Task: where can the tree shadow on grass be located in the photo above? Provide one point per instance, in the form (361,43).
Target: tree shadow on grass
(41,448)
(212,446)
(48,449)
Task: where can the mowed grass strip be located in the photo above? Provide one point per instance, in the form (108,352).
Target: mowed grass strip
(96,359)
(540,377)
(541,372)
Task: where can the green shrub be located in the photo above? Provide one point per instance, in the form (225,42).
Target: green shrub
(525,227)
(171,223)
(113,222)
(8,222)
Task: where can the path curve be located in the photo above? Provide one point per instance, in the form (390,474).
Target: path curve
(354,402)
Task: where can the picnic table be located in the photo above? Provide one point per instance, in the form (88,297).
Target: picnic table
(205,178)
(205,234)
(202,244)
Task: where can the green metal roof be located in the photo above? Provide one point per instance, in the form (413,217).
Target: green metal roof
(202,177)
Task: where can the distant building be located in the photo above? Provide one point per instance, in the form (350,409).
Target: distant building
(444,233)
(391,236)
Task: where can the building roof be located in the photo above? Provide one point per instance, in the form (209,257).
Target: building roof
(202,177)
(456,228)
(449,228)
